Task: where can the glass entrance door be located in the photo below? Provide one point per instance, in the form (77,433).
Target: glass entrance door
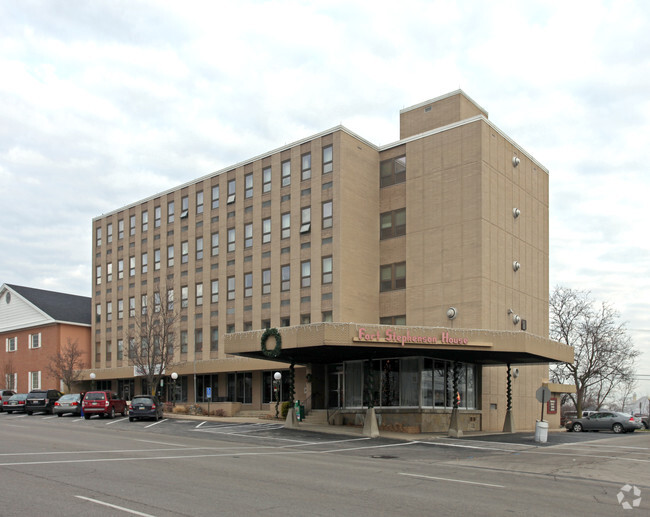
(335,385)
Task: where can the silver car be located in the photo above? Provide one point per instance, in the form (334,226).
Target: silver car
(604,421)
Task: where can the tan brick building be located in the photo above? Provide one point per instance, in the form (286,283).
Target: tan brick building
(36,324)
(403,275)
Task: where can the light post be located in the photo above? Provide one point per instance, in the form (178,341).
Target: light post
(92,380)
(277,377)
(174,377)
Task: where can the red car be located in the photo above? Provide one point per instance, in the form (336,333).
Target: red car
(103,403)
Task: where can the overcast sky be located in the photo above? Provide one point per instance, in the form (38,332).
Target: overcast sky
(103,103)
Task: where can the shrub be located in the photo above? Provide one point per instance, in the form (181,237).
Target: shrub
(180,410)
(217,412)
(285,409)
(194,409)
(168,407)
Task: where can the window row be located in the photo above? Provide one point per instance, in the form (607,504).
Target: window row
(33,341)
(33,378)
(305,174)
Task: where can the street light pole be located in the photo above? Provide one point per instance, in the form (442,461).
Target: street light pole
(277,377)
(174,377)
(92,380)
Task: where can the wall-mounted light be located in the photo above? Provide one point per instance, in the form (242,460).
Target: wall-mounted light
(452,313)
(515,319)
(516,265)
(515,161)
(515,372)
(516,212)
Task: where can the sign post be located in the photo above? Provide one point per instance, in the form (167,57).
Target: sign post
(208,395)
(542,394)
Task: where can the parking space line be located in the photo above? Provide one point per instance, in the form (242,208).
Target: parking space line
(115,421)
(116,507)
(155,423)
(450,480)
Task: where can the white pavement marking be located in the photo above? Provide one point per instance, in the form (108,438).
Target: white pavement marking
(115,421)
(200,425)
(121,508)
(161,443)
(450,480)
(155,423)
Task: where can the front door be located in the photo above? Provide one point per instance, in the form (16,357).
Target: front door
(335,385)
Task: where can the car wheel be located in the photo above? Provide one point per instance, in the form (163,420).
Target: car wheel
(87,417)
(577,427)
(59,414)
(617,428)
(112,414)
(30,413)
(9,412)
(131,419)
(646,425)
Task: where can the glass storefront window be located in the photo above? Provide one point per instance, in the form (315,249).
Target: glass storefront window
(353,384)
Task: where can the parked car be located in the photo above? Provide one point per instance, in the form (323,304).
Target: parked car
(15,403)
(604,421)
(103,403)
(145,406)
(6,394)
(70,403)
(645,423)
(41,401)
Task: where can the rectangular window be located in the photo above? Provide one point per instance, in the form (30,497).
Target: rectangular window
(120,349)
(327,270)
(185,252)
(170,299)
(34,380)
(248,235)
(199,294)
(185,207)
(35,340)
(248,186)
(132,306)
(98,236)
(393,320)
(120,229)
(214,339)
(305,166)
(231,287)
(199,248)
(120,269)
(170,212)
(98,275)
(199,202)
(198,340)
(215,197)
(286,173)
(145,221)
(11,344)
(145,263)
(109,233)
(214,291)
(183,341)
(392,171)
(232,186)
(120,309)
(156,260)
(170,255)
(248,285)
(305,273)
(131,266)
(286,278)
(132,225)
(157,216)
(185,294)
(328,158)
(143,304)
(266,230)
(305,220)
(231,239)
(109,311)
(109,272)
(286,225)
(266,281)
(266,179)
(393,276)
(393,224)
(327,214)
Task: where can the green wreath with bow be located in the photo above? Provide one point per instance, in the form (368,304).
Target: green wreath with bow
(278,342)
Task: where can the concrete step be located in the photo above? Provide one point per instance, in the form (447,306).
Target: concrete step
(316,416)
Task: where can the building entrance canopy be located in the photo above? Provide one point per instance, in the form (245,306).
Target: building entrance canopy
(320,343)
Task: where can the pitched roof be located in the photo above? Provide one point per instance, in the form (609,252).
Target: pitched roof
(60,306)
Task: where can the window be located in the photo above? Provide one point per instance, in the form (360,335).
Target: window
(170,299)
(392,171)
(132,306)
(185,252)
(199,202)
(214,291)
(286,278)
(305,220)
(199,248)
(143,304)
(109,233)
(327,316)
(132,225)
(170,212)
(231,239)
(305,273)
(98,275)
(286,173)
(131,266)
(266,179)
(109,311)
(215,197)
(327,214)
(248,235)
(120,269)
(215,244)
(120,349)
(286,225)
(35,340)
(109,272)
(98,236)
(393,276)
(266,230)
(120,309)
(393,224)
(393,320)
(183,341)
(145,221)
(34,380)
(170,255)
(305,166)
(328,157)
(266,281)
(199,294)
(240,387)
(98,313)
(157,216)
(198,340)
(185,207)
(185,293)
(305,319)
(145,261)
(156,260)
(231,191)
(248,186)
(248,285)
(120,229)
(231,287)
(327,270)
(214,339)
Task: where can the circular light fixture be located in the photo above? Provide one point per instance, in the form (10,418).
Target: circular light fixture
(515,319)
(277,376)
(174,376)
(92,376)
(515,372)
(516,212)
(516,265)
(452,313)
(515,161)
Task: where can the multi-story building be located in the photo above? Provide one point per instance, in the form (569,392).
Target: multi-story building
(35,326)
(403,275)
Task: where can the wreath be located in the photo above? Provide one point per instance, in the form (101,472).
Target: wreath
(278,342)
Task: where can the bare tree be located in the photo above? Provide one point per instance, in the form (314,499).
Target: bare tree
(67,364)
(604,353)
(151,337)
(9,371)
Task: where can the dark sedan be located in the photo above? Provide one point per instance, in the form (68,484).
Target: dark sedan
(68,404)
(604,421)
(15,403)
(145,406)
